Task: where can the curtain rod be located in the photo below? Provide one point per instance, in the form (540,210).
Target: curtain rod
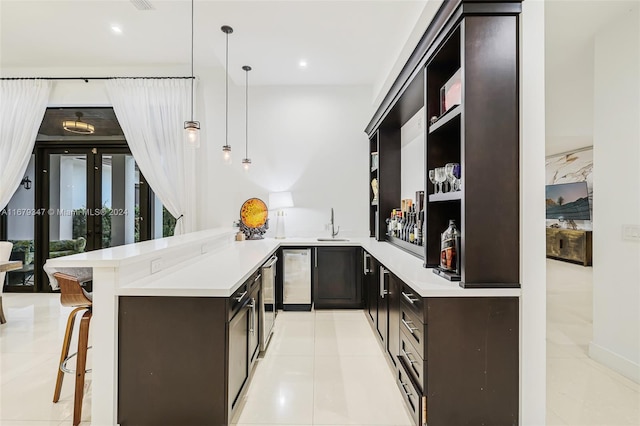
(86,79)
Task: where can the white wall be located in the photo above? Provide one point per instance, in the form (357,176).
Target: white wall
(616,196)
(305,139)
(532,216)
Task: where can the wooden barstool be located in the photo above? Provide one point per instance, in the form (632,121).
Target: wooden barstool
(72,295)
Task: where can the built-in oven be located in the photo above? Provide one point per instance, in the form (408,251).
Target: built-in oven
(268,301)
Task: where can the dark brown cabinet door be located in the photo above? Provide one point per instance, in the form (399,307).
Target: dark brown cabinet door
(254,322)
(238,353)
(337,278)
(383,303)
(393,298)
(372,290)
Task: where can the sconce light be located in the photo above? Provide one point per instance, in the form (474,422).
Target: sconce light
(279,201)
(26,182)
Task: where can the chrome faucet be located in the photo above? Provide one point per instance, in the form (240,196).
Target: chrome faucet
(334,233)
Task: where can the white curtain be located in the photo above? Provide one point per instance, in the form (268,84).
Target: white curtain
(22,107)
(152,113)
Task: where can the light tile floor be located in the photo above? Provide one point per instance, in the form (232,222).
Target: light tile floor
(580,391)
(325,367)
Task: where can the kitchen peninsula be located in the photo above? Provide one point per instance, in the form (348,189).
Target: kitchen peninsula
(211,267)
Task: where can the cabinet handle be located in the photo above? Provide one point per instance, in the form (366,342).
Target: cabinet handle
(383,273)
(315,251)
(367,270)
(409,298)
(406,324)
(239,298)
(257,278)
(404,387)
(406,355)
(252,321)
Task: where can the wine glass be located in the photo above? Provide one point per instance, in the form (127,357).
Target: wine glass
(440,178)
(457,172)
(432,178)
(448,171)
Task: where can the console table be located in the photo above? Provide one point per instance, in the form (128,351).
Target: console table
(570,245)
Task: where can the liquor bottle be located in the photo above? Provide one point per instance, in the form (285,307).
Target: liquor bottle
(400,223)
(392,223)
(412,226)
(420,224)
(450,249)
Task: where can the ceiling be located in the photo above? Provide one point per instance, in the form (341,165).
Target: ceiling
(343,42)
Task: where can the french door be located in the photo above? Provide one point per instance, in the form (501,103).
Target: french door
(91,197)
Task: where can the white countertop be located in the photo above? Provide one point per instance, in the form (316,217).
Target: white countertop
(211,264)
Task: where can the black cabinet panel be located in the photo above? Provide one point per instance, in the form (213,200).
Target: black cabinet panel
(395,286)
(172,361)
(238,353)
(337,278)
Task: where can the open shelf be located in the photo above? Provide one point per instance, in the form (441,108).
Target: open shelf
(446,118)
(414,249)
(374,203)
(447,196)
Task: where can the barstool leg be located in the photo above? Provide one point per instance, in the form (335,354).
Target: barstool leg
(81,366)
(65,351)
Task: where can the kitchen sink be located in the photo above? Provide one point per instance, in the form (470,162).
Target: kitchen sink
(332,239)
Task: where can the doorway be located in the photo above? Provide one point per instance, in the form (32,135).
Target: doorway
(85,193)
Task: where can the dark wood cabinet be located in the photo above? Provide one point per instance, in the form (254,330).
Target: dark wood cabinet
(477,40)
(186,360)
(393,310)
(371,288)
(337,277)
(238,353)
(382,326)
(570,245)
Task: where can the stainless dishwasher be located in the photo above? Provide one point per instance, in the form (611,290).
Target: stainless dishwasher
(297,280)
(268,301)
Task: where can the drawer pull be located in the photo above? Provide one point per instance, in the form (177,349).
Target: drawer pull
(409,298)
(406,324)
(257,278)
(239,298)
(406,355)
(404,387)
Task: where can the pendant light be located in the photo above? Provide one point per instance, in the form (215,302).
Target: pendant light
(191,127)
(78,126)
(226,149)
(246,161)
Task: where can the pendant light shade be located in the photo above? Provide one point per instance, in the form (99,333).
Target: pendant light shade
(226,148)
(246,161)
(191,127)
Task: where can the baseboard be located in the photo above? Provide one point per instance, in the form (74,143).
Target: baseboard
(622,365)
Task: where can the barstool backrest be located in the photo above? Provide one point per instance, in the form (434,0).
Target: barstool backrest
(71,293)
(5,254)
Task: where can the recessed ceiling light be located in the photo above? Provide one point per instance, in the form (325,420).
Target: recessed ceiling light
(302,64)
(116,29)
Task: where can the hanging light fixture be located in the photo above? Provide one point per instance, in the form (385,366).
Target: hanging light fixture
(78,126)
(246,161)
(191,127)
(226,149)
